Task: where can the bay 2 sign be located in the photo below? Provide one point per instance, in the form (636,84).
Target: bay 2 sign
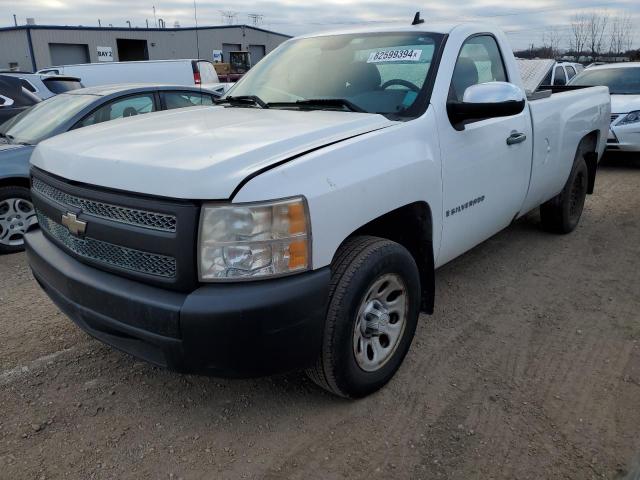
(105,54)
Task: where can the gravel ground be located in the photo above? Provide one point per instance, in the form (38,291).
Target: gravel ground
(529,369)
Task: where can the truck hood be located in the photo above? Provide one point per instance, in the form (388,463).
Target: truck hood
(625,103)
(194,153)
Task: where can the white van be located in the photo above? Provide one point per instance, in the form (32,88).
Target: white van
(178,72)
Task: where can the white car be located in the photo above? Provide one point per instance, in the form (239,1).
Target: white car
(299,224)
(167,72)
(46,86)
(623,80)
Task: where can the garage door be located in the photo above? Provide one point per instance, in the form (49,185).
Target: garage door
(257,53)
(68,53)
(227,48)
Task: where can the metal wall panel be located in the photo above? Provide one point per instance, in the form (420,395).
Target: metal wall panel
(14,48)
(162,44)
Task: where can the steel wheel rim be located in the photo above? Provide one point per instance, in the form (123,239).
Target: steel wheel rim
(381,322)
(16,216)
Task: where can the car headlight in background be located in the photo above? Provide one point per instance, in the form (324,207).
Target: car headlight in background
(633,117)
(254,241)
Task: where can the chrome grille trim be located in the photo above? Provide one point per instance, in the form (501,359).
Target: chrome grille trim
(108,253)
(107,211)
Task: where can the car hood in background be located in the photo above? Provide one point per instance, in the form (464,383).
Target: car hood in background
(625,103)
(194,153)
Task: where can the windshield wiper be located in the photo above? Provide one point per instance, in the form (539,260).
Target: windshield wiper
(321,103)
(243,100)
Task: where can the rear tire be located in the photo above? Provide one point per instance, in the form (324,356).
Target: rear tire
(562,213)
(374,301)
(16,216)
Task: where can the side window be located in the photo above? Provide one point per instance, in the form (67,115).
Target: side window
(121,108)
(175,100)
(571,72)
(561,77)
(479,61)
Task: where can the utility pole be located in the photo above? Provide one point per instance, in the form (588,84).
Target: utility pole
(99,24)
(255,18)
(155,20)
(129,22)
(15,20)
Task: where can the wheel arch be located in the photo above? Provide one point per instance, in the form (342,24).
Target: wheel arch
(14,182)
(412,227)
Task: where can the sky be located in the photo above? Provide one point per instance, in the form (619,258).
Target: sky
(525,21)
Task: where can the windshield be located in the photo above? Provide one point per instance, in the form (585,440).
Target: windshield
(381,73)
(42,120)
(621,81)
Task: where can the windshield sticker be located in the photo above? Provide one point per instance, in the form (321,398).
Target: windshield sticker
(399,55)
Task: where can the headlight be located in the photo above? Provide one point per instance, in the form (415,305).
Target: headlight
(633,117)
(254,241)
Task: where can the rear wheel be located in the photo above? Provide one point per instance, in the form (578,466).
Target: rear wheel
(562,213)
(16,216)
(371,319)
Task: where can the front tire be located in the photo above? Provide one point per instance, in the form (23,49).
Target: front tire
(16,216)
(371,319)
(562,213)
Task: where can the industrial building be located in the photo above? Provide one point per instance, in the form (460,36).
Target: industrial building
(34,47)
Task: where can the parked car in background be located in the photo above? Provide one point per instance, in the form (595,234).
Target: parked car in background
(14,98)
(46,86)
(623,80)
(59,114)
(178,72)
(300,225)
(562,73)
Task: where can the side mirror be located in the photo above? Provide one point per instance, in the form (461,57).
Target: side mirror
(486,100)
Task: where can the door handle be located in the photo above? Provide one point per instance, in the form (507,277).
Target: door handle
(516,138)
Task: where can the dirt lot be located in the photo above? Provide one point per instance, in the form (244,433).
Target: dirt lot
(530,369)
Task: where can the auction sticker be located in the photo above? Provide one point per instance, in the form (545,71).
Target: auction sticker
(399,55)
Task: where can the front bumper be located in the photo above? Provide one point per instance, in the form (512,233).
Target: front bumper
(233,330)
(624,138)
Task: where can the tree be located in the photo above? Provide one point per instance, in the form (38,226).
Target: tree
(596,26)
(621,35)
(551,41)
(579,35)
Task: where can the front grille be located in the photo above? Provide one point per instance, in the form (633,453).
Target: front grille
(129,216)
(109,254)
(614,117)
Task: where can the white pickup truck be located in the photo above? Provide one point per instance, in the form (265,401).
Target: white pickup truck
(298,225)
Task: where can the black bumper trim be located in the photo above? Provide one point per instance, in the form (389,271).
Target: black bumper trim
(237,330)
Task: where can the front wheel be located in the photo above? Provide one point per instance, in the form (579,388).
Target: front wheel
(371,319)
(16,216)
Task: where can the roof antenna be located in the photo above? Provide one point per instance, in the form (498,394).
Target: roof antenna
(417,20)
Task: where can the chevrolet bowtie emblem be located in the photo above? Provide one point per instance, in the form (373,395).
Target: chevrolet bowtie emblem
(75,226)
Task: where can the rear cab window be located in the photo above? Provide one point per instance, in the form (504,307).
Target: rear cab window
(561,77)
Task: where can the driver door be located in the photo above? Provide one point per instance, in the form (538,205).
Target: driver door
(485,179)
